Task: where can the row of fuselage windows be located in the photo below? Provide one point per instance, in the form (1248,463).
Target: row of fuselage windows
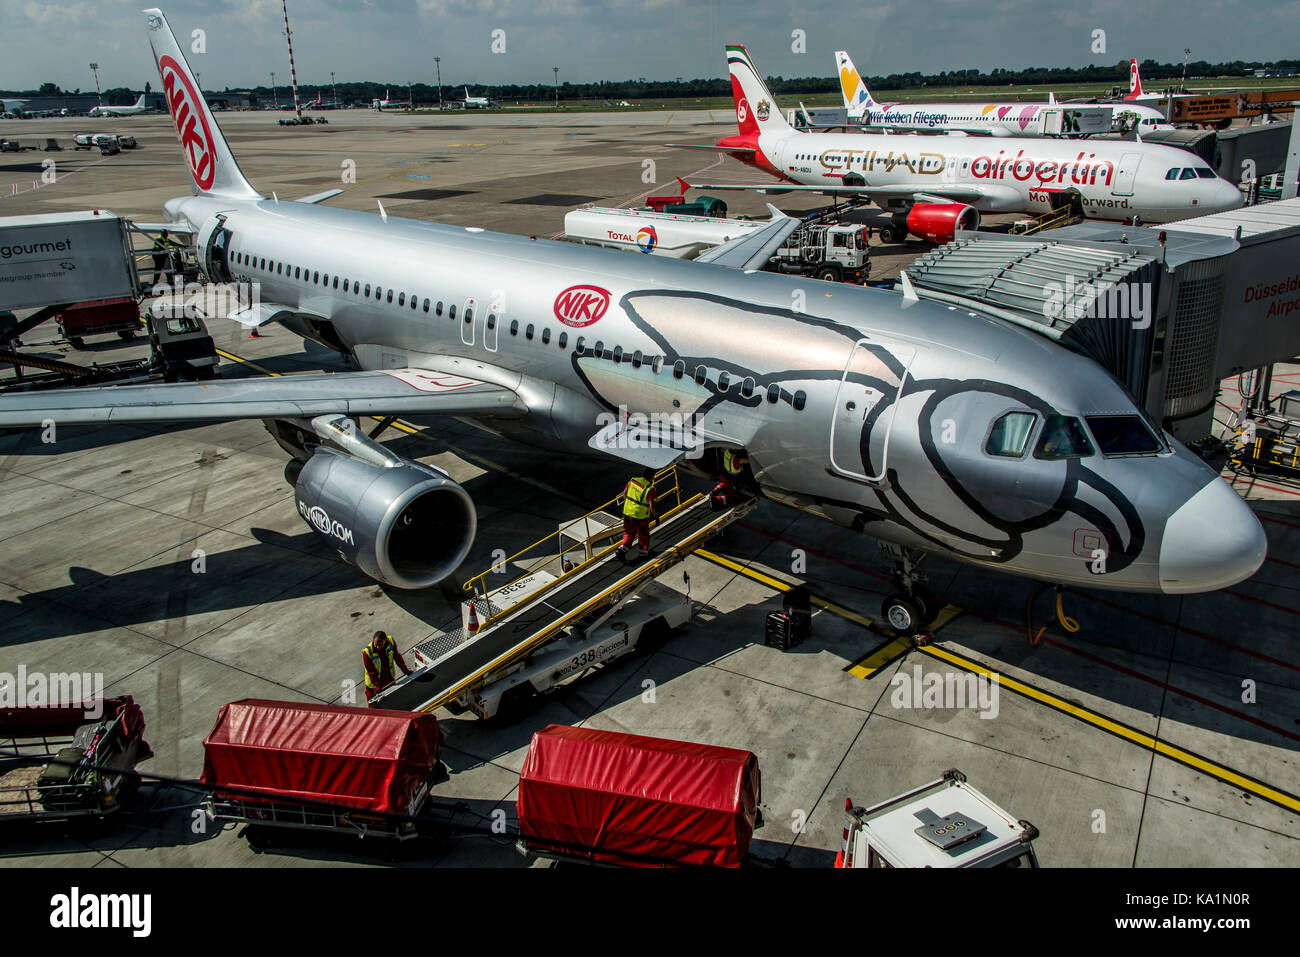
(747,386)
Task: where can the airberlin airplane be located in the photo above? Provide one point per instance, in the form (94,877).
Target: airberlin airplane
(937,184)
(932,428)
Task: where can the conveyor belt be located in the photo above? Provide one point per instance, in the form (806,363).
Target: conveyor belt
(533,623)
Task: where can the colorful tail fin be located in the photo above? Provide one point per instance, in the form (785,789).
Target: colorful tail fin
(857,98)
(1134,80)
(212,166)
(756,109)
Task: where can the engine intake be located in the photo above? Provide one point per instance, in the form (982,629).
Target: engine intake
(408,525)
(939,222)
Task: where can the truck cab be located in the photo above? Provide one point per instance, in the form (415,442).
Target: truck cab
(946,823)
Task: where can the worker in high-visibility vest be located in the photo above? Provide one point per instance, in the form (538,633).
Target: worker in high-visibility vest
(638,507)
(382,659)
(735,482)
(164,263)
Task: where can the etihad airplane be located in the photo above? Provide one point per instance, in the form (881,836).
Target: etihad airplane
(477,102)
(994,119)
(937,184)
(934,429)
(137,108)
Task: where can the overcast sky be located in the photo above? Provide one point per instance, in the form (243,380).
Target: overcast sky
(395,40)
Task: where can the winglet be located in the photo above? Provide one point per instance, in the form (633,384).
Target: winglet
(685,185)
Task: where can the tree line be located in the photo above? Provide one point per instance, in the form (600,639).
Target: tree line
(1154,75)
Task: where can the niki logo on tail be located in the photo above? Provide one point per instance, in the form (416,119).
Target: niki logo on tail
(191,122)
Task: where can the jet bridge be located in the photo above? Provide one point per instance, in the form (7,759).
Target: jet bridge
(1169,311)
(571,579)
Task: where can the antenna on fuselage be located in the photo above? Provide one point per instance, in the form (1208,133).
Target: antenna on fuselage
(909,291)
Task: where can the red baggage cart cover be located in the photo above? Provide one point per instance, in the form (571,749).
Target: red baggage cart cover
(363,758)
(629,799)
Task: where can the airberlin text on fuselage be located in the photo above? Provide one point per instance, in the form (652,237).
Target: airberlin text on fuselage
(191,124)
(1080,171)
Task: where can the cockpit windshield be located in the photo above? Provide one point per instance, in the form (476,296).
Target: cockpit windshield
(1063,438)
(1010,434)
(1123,435)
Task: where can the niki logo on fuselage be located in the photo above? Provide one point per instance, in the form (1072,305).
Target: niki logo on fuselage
(580,306)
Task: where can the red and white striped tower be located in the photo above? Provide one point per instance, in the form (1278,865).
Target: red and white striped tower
(293,75)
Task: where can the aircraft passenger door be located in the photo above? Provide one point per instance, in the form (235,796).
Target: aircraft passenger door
(1128,165)
(467,322)
(865,408)
(215,256)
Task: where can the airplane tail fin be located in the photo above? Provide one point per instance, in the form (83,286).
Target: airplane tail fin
(139,104)
(1134,80)
(857,98)
(756,109)
(213,169)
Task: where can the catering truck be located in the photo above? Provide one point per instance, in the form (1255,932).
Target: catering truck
(65,258)
(821,247)
(946,823)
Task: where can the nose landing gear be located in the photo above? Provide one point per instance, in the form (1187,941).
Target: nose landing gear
(912,605)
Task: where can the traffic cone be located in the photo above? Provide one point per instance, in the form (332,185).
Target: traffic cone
(472,625)
(255,334)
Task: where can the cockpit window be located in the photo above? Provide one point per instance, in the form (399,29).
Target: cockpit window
(1010,435)
(1123,435)
(1063,438)
(1204,172)
(1173,173)
(1188,173)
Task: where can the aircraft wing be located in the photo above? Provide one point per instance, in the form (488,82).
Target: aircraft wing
(753,250)
(716,149)
(390,392)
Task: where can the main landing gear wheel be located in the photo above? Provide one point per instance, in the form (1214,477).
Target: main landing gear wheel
(902,614)
(889,235)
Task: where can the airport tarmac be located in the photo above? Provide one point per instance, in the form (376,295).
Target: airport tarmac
(171,559)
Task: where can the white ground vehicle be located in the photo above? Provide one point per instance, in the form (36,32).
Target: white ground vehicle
(946,823)
(820,248)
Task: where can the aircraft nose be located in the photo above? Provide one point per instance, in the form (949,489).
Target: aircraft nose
(1225,196)
(1212,540)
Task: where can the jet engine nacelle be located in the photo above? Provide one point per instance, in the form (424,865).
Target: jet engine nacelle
(407,525)
(939,222)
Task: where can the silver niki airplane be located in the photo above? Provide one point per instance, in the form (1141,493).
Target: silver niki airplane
(933,429)
(937,184)
(970,116)
(137,108)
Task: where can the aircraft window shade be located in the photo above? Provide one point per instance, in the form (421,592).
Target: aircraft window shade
(564,339)
(390,295)
(679,369)
(437,310)
(1204,172)
(580,346)
(415,302)
(426,305)
(800,400)
(598,350)
(701,375)
(657,366)
(451,312)
(636,359)
(492,320)
(401,299)
(379,292)
(1063,438)
(724,381)
(617,354)
(1188,173)
(469,315)
(367,290)
(1172,174)
(1010,435)
(546,336)
(773,392)
(528,332)
(747,388)
(1123,435)
(514,327)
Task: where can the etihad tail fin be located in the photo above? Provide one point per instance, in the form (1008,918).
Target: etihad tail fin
(213,169)
(756,109)
(857,98)
(1134,80)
